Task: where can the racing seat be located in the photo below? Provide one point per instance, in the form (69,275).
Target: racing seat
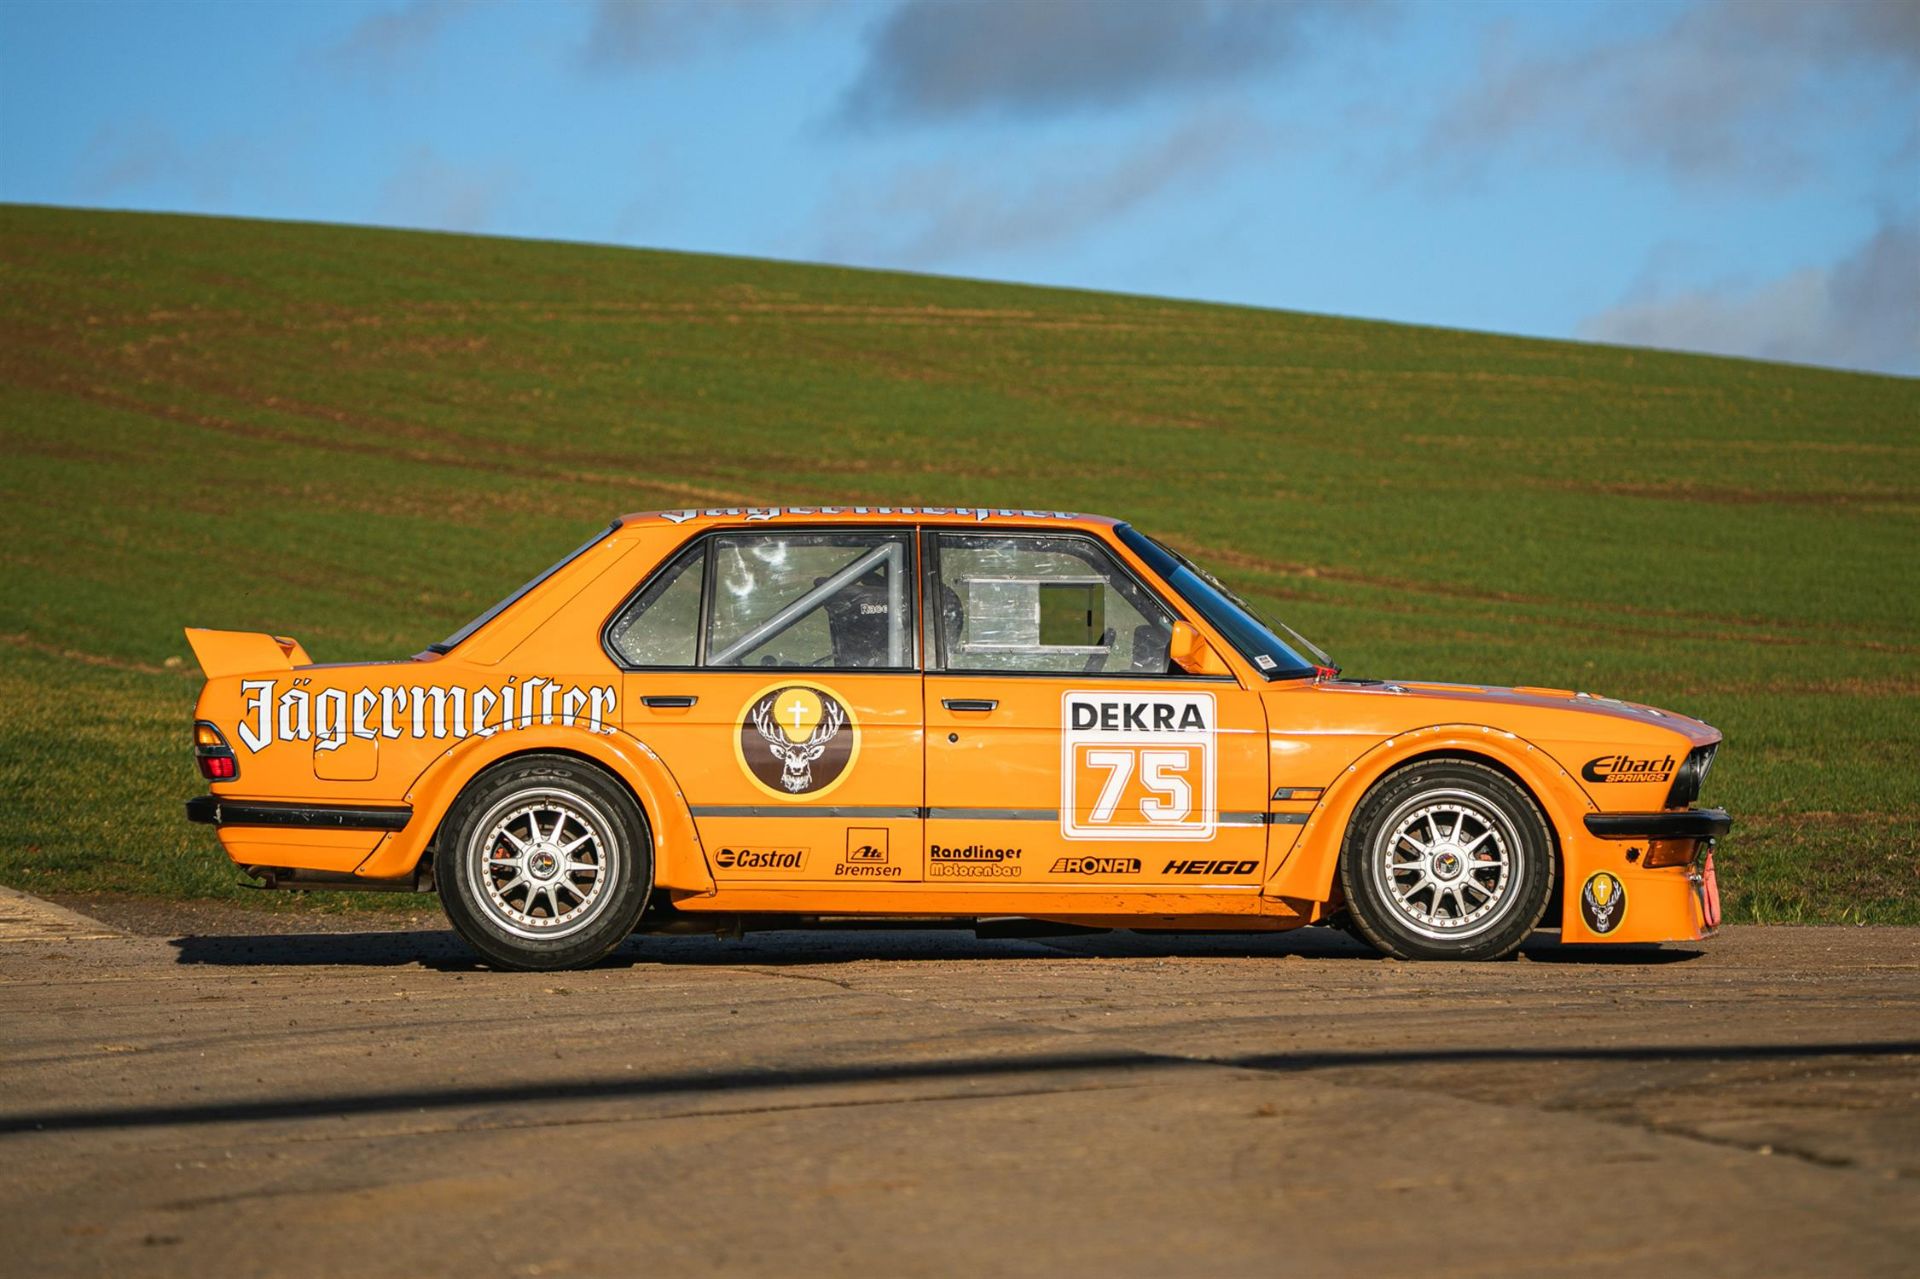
(858,619)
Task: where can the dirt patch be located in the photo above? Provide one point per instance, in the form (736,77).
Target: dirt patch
(93,659)
(277,915)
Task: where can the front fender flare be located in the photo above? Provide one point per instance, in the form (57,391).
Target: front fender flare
(1307,871)
(679,860)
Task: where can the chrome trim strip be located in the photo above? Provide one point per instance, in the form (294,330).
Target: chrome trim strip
(802,810)
(954,814)
(994,814)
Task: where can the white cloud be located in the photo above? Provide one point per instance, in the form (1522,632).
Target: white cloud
(635,33)
(938,59)
(380,41)
(431,192)
(1728,89)
(939,214)
(1862,312)
(142,159)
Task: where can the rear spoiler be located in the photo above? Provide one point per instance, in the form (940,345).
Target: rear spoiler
(243,652)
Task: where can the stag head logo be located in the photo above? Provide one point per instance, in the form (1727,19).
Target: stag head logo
(796,739)
(1603,902)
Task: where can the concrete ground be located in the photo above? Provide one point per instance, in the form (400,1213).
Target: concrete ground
(368,1102)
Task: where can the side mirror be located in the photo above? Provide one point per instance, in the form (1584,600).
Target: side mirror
(1190,651)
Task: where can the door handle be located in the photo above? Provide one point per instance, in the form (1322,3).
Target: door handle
(969,703)
(659,703)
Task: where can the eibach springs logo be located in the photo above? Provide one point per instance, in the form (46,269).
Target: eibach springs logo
(1625,768)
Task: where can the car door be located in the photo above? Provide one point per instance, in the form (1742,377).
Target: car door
(1062,746)
(776,674)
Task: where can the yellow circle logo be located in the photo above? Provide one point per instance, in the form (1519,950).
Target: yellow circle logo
(796,740)
(1603,902)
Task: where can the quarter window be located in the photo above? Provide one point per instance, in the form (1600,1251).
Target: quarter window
(662,626)
(1047,605)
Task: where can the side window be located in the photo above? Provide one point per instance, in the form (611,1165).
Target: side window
(1045,604)
(839,601)
(662,625)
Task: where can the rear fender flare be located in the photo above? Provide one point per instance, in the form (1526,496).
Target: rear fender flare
(679,861)
(1307,871)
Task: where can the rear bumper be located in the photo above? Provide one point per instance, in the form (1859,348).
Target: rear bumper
(212,810)
(1694,823)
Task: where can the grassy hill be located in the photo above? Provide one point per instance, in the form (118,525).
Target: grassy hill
(362,437)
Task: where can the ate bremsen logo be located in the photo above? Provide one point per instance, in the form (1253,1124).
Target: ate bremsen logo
(797,739)
(1603,902)
(868,856)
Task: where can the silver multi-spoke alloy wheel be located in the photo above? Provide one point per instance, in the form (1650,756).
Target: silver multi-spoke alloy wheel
(1444,860)
(1447,858)
(547,863)
(543,865)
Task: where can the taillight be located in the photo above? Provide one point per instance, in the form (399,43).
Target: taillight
(211,752)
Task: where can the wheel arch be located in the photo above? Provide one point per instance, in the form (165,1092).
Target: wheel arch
(679,861)
(1309,871)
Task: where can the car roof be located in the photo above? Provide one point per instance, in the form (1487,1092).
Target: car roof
(959,516)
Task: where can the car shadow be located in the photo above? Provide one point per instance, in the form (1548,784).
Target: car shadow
(797,1079)
(442,950)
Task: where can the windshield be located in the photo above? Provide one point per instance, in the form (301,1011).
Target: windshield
(1257,639)
(447,645)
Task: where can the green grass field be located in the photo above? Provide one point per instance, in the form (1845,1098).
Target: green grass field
(363,437)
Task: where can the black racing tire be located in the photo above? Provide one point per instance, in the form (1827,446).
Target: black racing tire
(544,862)
(1447,859)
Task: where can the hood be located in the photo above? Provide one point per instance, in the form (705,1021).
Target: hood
(1622,713)
(1624,754)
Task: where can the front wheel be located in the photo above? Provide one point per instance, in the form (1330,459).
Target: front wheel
(1447,859)
(544,863)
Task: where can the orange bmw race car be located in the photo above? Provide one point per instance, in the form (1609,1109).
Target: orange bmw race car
(794,716)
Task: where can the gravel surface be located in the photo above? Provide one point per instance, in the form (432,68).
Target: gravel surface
(228,1095)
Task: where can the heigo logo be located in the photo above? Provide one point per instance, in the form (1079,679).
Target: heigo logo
(1625,768)
(1097,866)
(1204,867)
(761,859)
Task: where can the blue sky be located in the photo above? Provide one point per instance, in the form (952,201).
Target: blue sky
(1730,175)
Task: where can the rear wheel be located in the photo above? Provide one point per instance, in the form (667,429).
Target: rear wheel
(544,863)
(1447,859)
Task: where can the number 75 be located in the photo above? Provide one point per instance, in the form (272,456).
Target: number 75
(1170,794)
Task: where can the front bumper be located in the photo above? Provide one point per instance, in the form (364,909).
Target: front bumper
(1611,894)
(1693,823)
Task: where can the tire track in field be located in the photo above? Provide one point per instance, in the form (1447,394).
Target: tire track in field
(22,640)
(1282,568)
